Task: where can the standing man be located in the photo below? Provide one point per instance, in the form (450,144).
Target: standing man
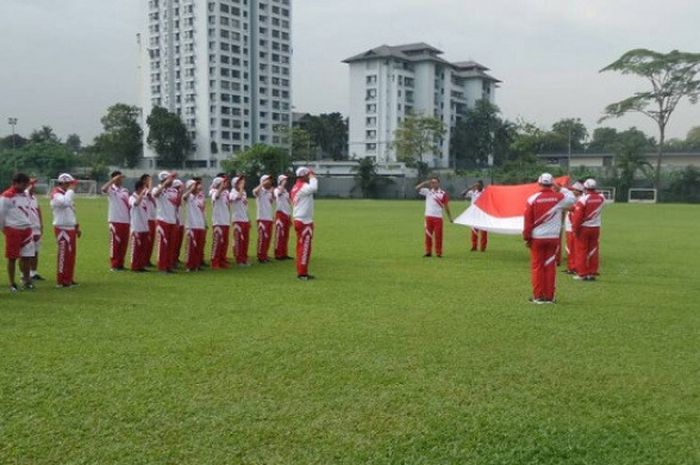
(139,227)
(302,197)
(196,224)
(118,218)
(283,219)
(66,229)
(220,220)
(17,227)
(436,200)
(264,198)
(542,235)
(586,228)
(152,209)
(37,229)
(168,199)
(473,193)
(241,223)
(577,190)
(180,186)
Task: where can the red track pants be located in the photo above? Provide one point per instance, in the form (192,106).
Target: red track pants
(570,251)
(283,224)
(152,224)
(180,240)
(475,239)
(587,251)
(118,243)
(241,239)
(65,257)
(195,248)
(543,258)
(433,232)
(305,234)
(139,250)
(167,240)
(264,239)
(219,247)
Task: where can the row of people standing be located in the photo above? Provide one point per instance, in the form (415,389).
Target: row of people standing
(174,212)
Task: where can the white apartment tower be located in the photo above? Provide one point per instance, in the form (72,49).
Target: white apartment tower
(388,82)
(224,66)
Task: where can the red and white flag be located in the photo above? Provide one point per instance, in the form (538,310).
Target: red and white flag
(500,209)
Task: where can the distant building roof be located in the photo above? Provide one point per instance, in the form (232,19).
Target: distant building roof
(469,65)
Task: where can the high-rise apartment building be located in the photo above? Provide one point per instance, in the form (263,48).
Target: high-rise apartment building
(224,66)
(389,82)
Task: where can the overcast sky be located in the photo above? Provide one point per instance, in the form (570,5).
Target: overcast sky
(64,62)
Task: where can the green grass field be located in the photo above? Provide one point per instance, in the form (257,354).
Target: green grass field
(387,358)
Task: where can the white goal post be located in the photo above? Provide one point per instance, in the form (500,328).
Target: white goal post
(84,188)
(642,195)
(608,193)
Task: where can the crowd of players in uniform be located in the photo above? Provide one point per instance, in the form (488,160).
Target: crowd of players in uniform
(161,219)
(577,208)
(173,213)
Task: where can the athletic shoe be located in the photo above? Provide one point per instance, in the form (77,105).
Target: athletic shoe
(473,249)
(74,284)
(264,261)
(142,270)
(28,286)
(14,288)
(244,265)
(532,300)
(589,278)
(63,286)
(546,301)
(428,255)
(37,277)
(116,270)
(568,271)
(305,277)
(579,277)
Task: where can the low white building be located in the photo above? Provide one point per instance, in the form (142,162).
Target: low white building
(389,82)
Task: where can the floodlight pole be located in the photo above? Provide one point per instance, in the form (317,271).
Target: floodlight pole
(13,122)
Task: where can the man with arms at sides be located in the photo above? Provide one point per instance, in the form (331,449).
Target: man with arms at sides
(17,228)
(118,218)
(586,227)
(152,209)
(220,221)
(241,223)
(138,204)
(37,229)
(264,199)
(283,219)
(302,197)
(436,201)
(168,199)
(66,229)
(196,224)
(542,235)
(577,190)
(473,193)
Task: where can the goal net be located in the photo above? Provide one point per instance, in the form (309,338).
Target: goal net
(608,193)
(640,195)
(84,187)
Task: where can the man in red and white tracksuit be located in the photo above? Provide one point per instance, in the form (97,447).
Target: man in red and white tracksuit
(283,219)
(542,234)
(66,229)
(138,217)
(168,200)
(37,230)
(577,190)
(118,217)
(586,228)
(302,197)
(196,224)
(241,222)
(264,200)
(220,221)
(480,238)
(436,201)
(180,186)
(152,209)
(17,227)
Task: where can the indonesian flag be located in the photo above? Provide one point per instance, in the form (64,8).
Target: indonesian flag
(500,209)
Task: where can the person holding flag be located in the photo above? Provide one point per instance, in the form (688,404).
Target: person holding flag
(66,229)
(220,221)
(283,218)
(17,227)
(168,200)
(586,228)
(542,235)
(302,197)
(473,193)
(118,218)
(264,199)
(241,223)
(138,204)
(436,201)
(196,224)
(37,229)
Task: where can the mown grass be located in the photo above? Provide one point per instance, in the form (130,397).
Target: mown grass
(387,358)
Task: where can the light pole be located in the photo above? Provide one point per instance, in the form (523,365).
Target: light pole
(12,122)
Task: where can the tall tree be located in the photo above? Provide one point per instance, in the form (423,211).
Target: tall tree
(629,149)
(44,135)
(74,143)
(122,139)
(570,130)
(692,140)
(367,179)
(13,142)
(258,160)
(416,137)
(329,132)
(671,76)
(303,145)
(602,140)
(168,136)
(475,137)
